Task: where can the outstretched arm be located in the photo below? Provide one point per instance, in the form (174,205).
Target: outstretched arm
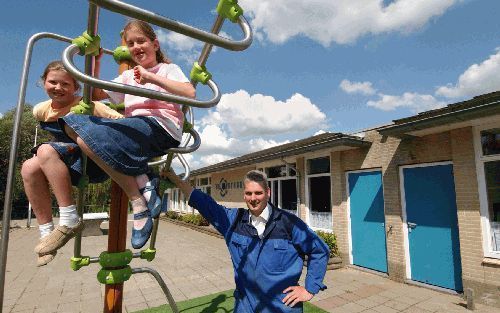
(185,187)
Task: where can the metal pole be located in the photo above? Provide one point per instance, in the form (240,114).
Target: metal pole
(28,223)
(7,206)
(118,215)
(162,284)
(93,20)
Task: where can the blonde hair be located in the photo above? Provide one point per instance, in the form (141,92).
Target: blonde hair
(148,31)
(56,66)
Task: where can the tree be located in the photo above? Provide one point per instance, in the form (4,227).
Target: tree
(26,141)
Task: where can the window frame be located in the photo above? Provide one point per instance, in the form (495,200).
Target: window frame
(307,177)
(482,190)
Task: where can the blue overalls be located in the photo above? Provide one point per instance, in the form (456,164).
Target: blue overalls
(263,268)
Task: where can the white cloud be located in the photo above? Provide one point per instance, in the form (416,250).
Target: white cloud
(364,88)
(185,48)
(339,21)
(414,101)
(242,123)
(476,80)
(258,114)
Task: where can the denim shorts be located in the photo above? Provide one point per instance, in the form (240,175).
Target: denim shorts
(126,144)
(71,155)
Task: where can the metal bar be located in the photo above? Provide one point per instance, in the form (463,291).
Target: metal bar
(162,284)
(7,206)
(117,233)
(67,60)
(158,20)
(93,20)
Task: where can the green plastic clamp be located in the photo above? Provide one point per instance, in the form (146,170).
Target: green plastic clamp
(187,127)
(78,263)
(83,108)
(115,276)
(117,106)
(115,259)
(83,182)
(200,74)
(229,9)
(121,53)
(148,254)
(89,45)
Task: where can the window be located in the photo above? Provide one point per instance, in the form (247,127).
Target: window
(318,166)
(319,193)
(490,141)
(283,187)
(487,146)
(204,181)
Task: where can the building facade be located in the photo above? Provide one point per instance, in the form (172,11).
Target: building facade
(417,200)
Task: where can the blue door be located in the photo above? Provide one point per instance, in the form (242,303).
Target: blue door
(432,226)
(367,220)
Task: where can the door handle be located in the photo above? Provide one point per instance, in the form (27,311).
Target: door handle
(411,226)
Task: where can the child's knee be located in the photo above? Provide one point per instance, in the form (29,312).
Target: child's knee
(29,168)
(46,152)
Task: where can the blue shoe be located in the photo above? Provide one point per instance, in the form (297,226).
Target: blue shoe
(154,203)
(141,236)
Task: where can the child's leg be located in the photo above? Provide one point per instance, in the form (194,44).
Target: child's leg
(58,176)
(127,183)
(37,190)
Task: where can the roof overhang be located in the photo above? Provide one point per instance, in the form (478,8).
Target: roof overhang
(338,143)
(472,116)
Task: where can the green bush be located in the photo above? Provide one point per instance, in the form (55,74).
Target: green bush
(172,215)
(195,219)
(331,241)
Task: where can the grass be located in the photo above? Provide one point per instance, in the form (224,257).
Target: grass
(222,302)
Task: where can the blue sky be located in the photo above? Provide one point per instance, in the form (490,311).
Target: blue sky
(322,65)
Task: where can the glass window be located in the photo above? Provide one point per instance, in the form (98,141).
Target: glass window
(490,141)
(492,176)
(204,181)
(318,166)
(276,171)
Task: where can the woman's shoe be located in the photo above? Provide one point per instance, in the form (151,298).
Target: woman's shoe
(141,236)
(154,203)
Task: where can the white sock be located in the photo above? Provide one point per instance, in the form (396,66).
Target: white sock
(45,229)
(68,216)
(139,205)
(143,181)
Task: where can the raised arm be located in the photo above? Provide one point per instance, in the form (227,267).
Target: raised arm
(97,93)
(184,89)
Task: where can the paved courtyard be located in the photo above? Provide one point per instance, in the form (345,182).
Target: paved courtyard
(192,264)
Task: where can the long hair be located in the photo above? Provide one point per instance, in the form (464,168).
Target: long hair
(56,66)
(148,31)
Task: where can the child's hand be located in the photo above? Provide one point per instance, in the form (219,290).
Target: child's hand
(141,75)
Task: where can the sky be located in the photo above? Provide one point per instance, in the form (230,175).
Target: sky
(314,66)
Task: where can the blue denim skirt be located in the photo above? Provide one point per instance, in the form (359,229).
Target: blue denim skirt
(126,144)
(71,155)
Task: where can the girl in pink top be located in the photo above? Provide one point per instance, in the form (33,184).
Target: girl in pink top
(123,147)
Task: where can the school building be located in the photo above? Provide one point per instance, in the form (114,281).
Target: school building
(417,200)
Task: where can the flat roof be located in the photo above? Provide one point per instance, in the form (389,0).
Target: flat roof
(456,114)
(314,143)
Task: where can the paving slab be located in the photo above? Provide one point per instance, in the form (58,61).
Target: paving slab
(192,264)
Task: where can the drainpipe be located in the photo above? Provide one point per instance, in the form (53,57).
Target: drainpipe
(297,183)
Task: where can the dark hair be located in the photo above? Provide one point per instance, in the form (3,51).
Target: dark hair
(148,31)
(258,177)
(56,66)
